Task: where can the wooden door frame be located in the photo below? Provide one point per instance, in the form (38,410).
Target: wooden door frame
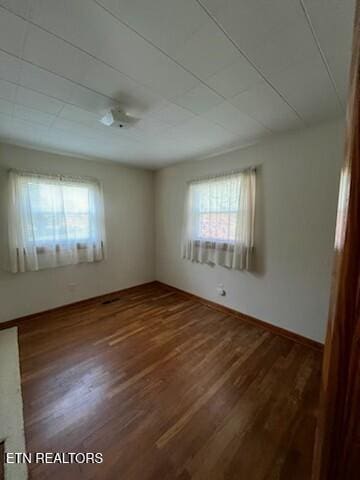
(337,447)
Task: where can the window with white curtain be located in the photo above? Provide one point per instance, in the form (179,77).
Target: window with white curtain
(219,220)
(54,221)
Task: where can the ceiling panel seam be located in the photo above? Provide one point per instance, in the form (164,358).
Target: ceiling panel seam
(143,85)
(65,102)
(193,74)
(206,10)
(57,75)
(127,25)
(115,100)
(322,54)
(171,99)
(22,54)
(108,64)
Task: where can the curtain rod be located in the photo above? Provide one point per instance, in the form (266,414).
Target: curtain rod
(59,176)
(222,174)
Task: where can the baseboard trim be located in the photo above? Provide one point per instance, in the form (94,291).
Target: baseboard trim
(247,318)
(17,322)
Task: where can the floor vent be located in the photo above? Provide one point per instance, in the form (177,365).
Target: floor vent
(112,300)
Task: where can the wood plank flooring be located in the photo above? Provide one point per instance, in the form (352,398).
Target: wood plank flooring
(166,388)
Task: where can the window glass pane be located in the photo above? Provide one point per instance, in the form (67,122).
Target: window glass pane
(215,206)
(59,213)
(217,227)
(76,206)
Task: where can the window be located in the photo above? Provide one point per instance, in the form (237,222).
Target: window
(54,221)
(215,207)
(342,208)
(219,220)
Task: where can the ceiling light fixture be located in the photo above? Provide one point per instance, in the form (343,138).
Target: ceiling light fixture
(116,117)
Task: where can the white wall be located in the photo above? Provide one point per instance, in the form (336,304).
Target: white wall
(129,209)
(295,222)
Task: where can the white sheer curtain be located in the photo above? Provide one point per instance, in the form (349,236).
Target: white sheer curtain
(54,221)
(219,220)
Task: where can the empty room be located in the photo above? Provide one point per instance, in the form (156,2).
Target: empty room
(179,239)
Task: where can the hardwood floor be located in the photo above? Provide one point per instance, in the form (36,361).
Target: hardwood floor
(166,388)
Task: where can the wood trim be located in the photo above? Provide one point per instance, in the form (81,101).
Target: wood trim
(2,460)
(17,322)
(249,319)
(337,448)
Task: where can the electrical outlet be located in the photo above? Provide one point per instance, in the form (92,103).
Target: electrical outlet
(220,290)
